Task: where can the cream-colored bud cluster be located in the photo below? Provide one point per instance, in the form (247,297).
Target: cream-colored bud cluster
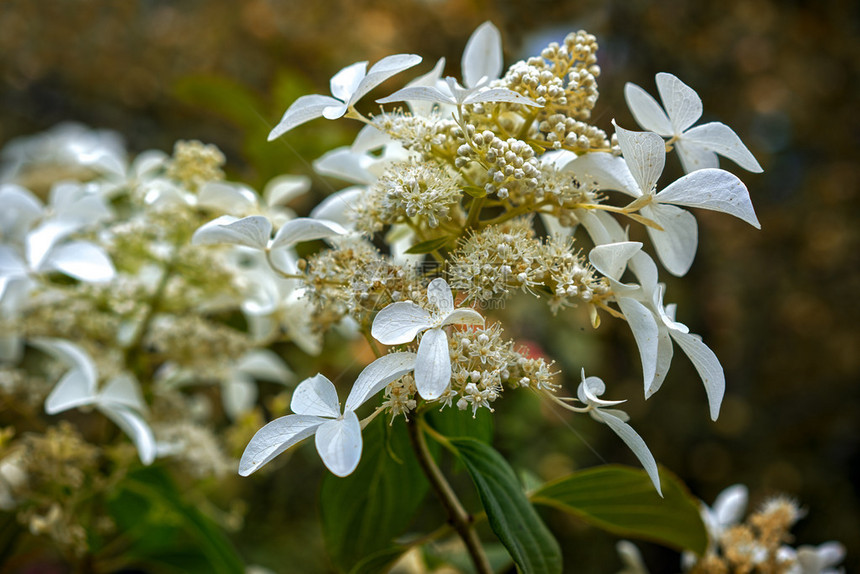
(195,447)
(757,545)
(511,166)
(492,262)
(400,396)
(195,163)
(426,135)
(426,193)
(563,131)
(356,280)
(563,194)
(196,342)
(489,264)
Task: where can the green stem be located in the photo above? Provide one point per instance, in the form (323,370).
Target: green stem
(460,520)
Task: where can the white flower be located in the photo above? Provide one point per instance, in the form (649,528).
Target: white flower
(347,86)
(588,392)
(481,64)
(653,324)
(814,559)
(631,557)
(400,323)
(255,232)
(637,174)
(697,147)
(338,435)
(239,389)
(120,399)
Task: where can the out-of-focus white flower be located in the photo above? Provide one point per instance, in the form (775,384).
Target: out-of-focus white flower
(347,86)
(317,412)
(636,174)
(401,322)
(653,324)
(255,232)
(239,389)
(697,147)
(588,392)
(631,557)
(119,399)
(814,559)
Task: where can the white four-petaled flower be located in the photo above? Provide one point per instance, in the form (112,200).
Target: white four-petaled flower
(697,146)
(401,322)
(317,412)
(347,86)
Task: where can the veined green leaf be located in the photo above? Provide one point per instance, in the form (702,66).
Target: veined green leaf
(363,512)
(623,501)
(428,246)
(510,514)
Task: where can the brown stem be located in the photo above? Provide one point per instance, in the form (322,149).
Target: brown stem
(459,519)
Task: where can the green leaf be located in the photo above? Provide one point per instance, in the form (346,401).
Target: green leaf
(363,512)
(150,511)
(622,500)
(379,561)
(511,516)
(456,423)
(428,246)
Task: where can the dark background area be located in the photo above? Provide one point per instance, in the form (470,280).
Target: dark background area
(778,306)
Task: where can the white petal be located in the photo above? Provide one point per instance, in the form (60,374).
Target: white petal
(382,70)
(601,226)
(433,365)
(340,206)
(123,389)
(606,171)
(20,209)
(482,56)
(419,94)
(346,164)
(316,396)
(339,444)
(439,295)
(74,389)
(645,153)
(499,95)
(722,139)
(730,505)
(238,396)
(335,111)
(82,260)
(826,555)
(646,333)
(344,83)
(647,112)
(275,438)
(251,231)
(676,244)
(399,323)
(708,367)
(11,264)
(634,442)
(463,316)
(133,425)
(285,188)
(714,189)
(428,80)
(646,272)
(263,364)
(611,259)
(41,240)
(71,355)
(665,352)
(682,103)
(227,197)
(695,156)
(376,377)
(304,109)
(305,229)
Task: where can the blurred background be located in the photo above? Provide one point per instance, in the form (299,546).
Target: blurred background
(778,306)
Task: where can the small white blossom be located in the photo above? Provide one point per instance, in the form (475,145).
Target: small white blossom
(401,322)
(120,398)
(588,392)
(347,86)
(697,147)
(317,412)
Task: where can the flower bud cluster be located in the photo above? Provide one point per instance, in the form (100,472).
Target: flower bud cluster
(356,280)
(423,192)
(195,163)
(491,262)
(562,131)
(512,168)
(569,277)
